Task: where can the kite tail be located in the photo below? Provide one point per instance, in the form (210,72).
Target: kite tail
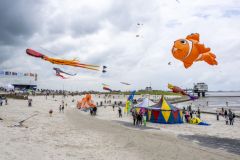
(87,67)
(59,75)
(192,97)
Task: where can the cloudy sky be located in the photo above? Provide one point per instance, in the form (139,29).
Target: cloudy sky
(104,32)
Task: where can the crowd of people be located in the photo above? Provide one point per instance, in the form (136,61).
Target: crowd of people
(228,115)
(189,113)
(138,118)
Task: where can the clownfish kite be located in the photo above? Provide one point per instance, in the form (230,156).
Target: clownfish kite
(189,50)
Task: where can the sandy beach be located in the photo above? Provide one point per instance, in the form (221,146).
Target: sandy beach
(75,134)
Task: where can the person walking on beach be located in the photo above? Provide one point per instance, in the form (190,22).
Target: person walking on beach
(6,101)
(60,108)
(198,113)
(63,108)
(187,116)
(217,116)
(1,102)
(50,112)
(225,113)
(113,107)
(119,112)
(230,115)
(91,111)
(222,111)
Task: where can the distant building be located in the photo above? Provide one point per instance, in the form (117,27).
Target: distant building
(19,80)
(200,88)
(148,89)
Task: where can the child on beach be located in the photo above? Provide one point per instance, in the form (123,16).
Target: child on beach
(119,112)
(50,112)
(29,102)
(226,119)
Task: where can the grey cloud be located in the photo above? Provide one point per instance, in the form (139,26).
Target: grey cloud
(19,20)
(231,12)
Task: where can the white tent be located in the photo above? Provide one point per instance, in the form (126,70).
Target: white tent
(9,87)
(145,103)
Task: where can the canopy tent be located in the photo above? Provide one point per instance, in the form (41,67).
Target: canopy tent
(145,103)
(8,87)
(163,112)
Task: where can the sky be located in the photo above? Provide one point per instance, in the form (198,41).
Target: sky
(103,32)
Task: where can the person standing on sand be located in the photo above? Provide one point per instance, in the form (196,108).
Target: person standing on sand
(187,117)
(234,116)
(63,108)
(134,117)
(191,114)
(119,112)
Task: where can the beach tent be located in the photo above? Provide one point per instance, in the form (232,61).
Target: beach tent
(144,104)
(164,112)
(86,102)
(9,87)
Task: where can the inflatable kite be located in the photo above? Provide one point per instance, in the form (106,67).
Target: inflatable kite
(198,121)
(59,75)
(59,71)
(74,62)
(129,102)
(189,50)
(106,87)
(86,102)
(104,69)
(125,83)
(176,89)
